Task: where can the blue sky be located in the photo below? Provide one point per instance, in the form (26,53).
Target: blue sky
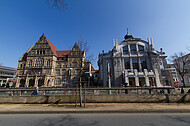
(22,22)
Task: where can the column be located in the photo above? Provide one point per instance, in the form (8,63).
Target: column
(45,81)
(27,82)
(53,82)
(137,81)
(17,82)
(136,78)
(158,84)
(140,67)
(131,64)
(147,81)
(36,82)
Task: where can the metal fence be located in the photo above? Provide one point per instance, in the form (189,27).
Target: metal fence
(88,91)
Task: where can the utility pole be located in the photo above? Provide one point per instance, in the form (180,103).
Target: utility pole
(109,78)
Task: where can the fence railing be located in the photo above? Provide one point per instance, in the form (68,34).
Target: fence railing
(88,91)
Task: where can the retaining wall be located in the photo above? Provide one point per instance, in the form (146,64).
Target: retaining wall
(143,98)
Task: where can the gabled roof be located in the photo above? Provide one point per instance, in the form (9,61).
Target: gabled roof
(92,69)
(62,53)
(53,48)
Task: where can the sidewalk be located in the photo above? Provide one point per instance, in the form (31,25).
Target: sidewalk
(96,108)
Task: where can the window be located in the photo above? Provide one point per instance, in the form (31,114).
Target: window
(65,66)
(28,72)
(74,80)
(58,81)
(133,49)
(21,72)
(64,58)
(57,72)
(64,72)
(143,64)
(48,62)
(39,62)
(125,50)
(20,65)
(127,63)
(77,72)
(47,71)
(30,63)
(141,49)
(58,65)
(74,64)
(135,64)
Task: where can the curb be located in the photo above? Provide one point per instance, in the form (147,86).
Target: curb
(87,112)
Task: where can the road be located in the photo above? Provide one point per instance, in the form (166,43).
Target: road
(107,119)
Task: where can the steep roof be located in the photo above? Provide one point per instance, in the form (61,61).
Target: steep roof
(53,48)
(62,53)
(92,69)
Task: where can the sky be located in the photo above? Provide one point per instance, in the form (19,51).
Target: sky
(98,22)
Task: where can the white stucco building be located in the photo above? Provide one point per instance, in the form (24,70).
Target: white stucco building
(133,62)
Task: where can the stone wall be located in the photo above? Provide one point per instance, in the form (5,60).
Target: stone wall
(143,98)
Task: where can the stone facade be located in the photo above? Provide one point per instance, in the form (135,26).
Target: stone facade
(133,62)
(44,66)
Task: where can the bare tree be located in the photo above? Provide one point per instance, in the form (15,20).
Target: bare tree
(181,62)
(58,4)
(83,46)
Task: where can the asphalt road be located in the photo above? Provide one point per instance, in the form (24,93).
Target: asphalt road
(108,119)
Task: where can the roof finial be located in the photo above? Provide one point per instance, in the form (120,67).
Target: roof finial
(127,31)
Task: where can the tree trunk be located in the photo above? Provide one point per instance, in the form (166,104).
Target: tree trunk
(183,81)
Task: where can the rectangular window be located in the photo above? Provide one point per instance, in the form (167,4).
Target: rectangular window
(47,71)
(127,63)
(141,49)
(74,64)
(135,64)
(125,50)
(77,72)
(48,62)
(57,72)
(133,49)
(143,64)
(65,66)
(64,72)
